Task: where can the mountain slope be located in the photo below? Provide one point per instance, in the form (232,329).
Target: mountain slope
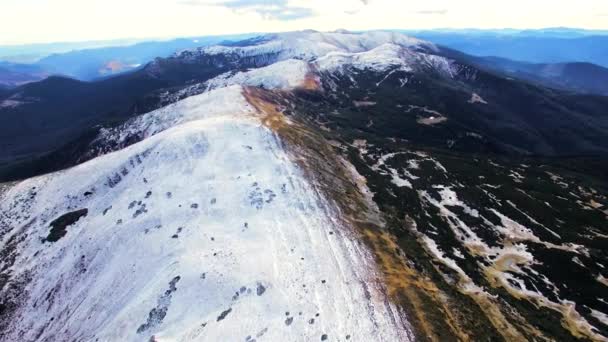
(451,199)
(12,75)
(576,77)
(249,251)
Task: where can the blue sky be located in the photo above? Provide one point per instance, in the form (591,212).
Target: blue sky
(29,21)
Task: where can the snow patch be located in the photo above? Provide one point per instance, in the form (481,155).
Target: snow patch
(475,98)
(286,74)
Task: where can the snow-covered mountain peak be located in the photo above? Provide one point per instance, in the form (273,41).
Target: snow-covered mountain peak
(285,60)
(385,57)
(310,45)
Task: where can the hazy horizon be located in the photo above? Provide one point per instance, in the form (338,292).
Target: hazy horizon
(43,21)
(126,41)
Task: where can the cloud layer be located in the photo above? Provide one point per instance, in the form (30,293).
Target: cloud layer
(279,9)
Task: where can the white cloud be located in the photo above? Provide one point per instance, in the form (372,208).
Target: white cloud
(278,9)
(25,21)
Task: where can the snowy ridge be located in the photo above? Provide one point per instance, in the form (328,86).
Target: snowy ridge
(376,50)
(385,57)
(285,74)
(308,45)
(204,231)
(380,58)
(218,104)
(220,99)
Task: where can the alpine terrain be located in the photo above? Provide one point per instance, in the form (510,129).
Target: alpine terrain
(304,186)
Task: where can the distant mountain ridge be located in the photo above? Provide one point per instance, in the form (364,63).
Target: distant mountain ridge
(576,76)
(530,46)
(12,75)
(95,63)
(31,53)
(553,32)
(99,62)
(543,46)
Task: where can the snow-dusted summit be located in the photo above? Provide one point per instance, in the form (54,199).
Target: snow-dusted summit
(308,45)
(284,60)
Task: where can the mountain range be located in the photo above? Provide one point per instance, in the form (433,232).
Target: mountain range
(13,75)
(577,76)
(305,186)
(95,62)
(553,48)
(533,46)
